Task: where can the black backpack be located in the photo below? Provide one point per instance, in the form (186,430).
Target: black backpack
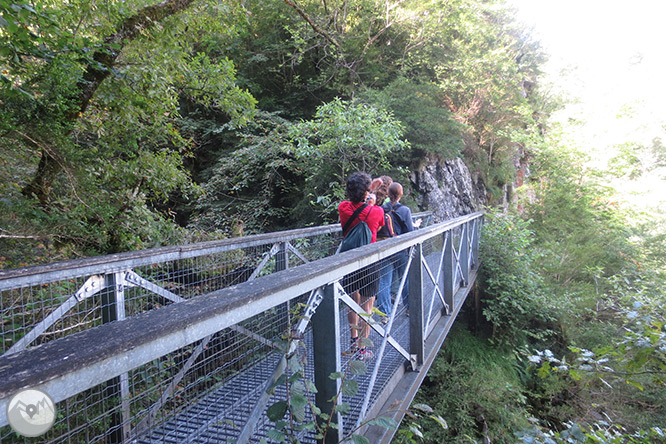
(359,235)
(388,229)
(397,224)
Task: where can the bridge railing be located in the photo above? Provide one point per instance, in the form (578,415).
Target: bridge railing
(143,378)
(43,303)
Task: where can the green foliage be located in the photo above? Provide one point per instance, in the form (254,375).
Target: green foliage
(635,357)
(471,385)
(512,287)
(256,184)
(347,137)
(601,432)
(429,126)
(285,174)
(576,220)
(298,413)
(101,158)
(342,138)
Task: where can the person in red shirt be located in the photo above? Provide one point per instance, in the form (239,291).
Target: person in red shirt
(361,285)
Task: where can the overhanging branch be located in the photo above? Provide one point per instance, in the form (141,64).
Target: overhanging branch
(312,24)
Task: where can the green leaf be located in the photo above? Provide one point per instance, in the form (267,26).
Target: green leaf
(365,342)
(358,367)
(441,421)
(276,435)
(343,408)
(415,430)
(635,384)
(312,388)
(349,387)
(423,407)
(385,422)
(277,411)
(298,401)
(280,381)
(359,439)
(298,388)
(336,375)
(295,377)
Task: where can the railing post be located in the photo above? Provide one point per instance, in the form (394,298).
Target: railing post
(449,269)
(416,323)
(464,253)
(326,349)
(475,242)
(282,257)
(282,263)
(113,309)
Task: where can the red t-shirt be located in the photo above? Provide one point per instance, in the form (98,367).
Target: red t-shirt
(373,215)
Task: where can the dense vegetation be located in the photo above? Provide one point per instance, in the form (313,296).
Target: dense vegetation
(133,124)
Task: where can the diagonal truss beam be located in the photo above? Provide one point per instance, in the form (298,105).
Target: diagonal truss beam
(316,296)
(344,297)
(131,278)
(93,285)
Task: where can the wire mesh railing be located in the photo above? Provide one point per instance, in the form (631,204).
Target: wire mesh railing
(44,303)
(200,368)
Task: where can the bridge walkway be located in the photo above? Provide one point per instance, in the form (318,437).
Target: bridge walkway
(142,347)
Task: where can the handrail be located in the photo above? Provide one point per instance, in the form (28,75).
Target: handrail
(18,277)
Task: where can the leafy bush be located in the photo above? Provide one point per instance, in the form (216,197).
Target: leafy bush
(510,283)
(476,388)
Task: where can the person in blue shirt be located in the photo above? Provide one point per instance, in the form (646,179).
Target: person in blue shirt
(396,264)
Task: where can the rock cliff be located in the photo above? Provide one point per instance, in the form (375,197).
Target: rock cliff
(448,189)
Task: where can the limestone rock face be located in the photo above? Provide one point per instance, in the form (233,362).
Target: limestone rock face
(448,189)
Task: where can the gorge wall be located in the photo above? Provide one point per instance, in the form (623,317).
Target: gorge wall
(448,189)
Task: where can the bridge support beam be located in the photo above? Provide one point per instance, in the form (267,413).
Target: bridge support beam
(416,322)
(326,348)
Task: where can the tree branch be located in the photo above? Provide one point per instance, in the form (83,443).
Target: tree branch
(312,24)
(105,57)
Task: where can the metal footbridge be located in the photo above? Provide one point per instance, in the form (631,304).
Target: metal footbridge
(231,341)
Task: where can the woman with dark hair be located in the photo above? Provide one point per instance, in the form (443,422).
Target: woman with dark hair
(361,285)
(380,188)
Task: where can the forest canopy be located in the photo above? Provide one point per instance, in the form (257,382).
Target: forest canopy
(119,119)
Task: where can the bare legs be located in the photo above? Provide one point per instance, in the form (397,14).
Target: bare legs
(355,323)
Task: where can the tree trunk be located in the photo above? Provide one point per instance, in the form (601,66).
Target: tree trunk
(97,70)
(42,184)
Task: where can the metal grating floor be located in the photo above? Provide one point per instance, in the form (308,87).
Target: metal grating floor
(220,416)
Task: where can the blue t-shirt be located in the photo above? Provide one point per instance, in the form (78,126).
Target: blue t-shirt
(402,223)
